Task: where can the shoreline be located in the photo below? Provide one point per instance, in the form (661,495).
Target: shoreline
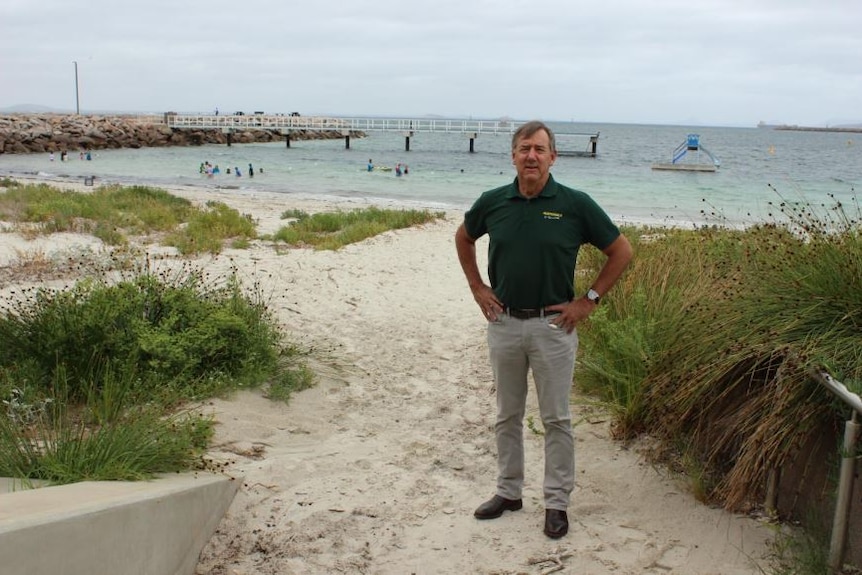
(317,202)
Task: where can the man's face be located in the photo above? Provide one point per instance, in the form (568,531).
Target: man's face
(533,158)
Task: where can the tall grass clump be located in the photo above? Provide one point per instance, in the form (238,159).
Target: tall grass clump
(61,448)
(207,230)
(334,230)
(709,338)
(636,322)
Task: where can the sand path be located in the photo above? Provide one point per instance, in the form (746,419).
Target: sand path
(378,469)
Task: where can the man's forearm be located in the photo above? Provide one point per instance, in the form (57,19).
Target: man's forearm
(619,254)
(466,247)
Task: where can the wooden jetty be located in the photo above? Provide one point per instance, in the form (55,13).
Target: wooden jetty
(408,127)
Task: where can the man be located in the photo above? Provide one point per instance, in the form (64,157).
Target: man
(535,227)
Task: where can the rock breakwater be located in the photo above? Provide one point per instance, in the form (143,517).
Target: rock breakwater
(40,133)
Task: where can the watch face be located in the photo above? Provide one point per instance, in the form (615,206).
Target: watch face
(593,296)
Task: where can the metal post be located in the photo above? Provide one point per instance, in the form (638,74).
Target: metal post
(77,99)
(848,467)
(845,494)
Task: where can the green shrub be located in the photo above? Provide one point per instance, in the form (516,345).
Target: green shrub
(144,330)
(91,377)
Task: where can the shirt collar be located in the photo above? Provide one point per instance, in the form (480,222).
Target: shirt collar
(549,191)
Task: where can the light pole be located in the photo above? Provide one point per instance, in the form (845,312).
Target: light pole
(77,105)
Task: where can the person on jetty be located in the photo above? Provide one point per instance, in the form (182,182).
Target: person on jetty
(536,227)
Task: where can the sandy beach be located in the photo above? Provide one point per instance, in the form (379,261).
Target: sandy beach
(379,467)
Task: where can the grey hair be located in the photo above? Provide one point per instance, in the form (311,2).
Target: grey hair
(530,128)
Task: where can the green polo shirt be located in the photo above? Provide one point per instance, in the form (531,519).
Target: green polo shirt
(534,242)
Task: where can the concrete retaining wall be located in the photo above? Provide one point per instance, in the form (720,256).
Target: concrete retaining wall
(154,527)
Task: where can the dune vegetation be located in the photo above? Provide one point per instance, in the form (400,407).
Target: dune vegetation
(101,377)
(708,344)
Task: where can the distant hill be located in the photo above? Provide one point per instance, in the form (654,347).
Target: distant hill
(38,109)
(33,109)
(848,127)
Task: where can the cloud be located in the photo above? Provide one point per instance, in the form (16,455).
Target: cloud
(724,62)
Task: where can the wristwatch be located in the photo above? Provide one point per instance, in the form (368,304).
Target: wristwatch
(594,296)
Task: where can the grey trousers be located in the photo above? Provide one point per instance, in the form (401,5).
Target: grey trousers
(517,346)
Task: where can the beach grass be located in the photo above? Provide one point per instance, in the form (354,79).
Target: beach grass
(208,229)
(707,343)
(114,213)
(61,448)
(334,230)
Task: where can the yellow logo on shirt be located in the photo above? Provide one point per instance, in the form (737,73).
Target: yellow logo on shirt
(552,215)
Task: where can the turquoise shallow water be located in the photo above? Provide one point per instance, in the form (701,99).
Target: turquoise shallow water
(759,167)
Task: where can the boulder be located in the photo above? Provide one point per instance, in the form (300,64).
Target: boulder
(38,133)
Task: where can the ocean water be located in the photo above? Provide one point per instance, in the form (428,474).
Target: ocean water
(759,169)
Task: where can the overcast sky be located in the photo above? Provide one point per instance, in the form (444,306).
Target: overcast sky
(694,62)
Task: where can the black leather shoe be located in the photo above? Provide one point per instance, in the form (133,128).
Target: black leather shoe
(556,523)
(495,506)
